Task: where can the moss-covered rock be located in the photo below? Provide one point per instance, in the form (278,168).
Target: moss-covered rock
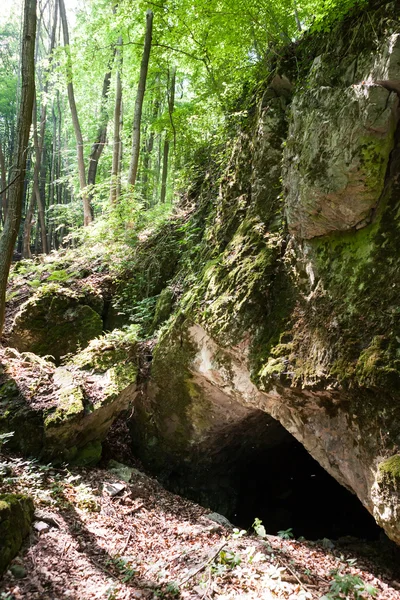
(54,322)
(16,513)
(63,414)
(295,277)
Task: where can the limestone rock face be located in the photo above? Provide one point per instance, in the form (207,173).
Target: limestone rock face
(55,321)
(16,514)
(339,142)
(293,309)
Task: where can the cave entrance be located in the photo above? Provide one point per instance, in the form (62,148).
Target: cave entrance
(286,488)
(257,469)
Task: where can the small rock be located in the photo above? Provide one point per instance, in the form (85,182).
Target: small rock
(113,489)
(120,470)
(220,519)
(327,544)
(41,526)
(18,571)
(51,520)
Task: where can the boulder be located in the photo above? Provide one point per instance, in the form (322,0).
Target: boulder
(55,321)
(73,407)
(16,514)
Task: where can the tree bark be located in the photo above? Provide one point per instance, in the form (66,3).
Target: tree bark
(3,179)
(87,212)
(148,153)
(13,220)
(137,118)
(171,103)
(98,145)
(117,150)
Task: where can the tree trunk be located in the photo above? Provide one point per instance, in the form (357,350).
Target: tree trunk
(13,220)
(171,103)
(117,151)
(137,118)
(164,170)
(3,179)
(87,212)
(26,236)
(98,145)
(38,146)
(148,153)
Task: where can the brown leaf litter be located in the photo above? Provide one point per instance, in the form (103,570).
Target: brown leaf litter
(147,543)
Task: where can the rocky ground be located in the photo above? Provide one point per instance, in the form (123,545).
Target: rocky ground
(115,533)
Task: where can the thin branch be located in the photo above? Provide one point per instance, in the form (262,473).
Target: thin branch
(203,566)
(10,184)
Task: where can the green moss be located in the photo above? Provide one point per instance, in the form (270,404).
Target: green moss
(70,405)
(115,353)
(229,298)
(390,468)
(163,307)
(16,513)
(53,322)
(89,455)
(163,432)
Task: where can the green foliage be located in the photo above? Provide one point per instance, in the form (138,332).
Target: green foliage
(59,276)
(259,528)
(286,534)
(124,566)
(4,437)
(349,586)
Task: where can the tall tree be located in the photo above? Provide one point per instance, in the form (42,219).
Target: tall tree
(87,212)
(98,145)
(117,146)
(171,104)
(137,117)
(13,220)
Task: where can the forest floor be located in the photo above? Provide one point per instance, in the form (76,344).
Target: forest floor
(146,543)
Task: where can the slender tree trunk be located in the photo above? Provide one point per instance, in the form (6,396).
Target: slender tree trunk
(3,179)
(296,16)
(117,151)
(100,141)
(38,145)
(148,153)
(26,236)
(171,103)
(164,170)
(87,213)
(13,220)
(137,118)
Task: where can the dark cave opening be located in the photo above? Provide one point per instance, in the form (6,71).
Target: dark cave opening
(287,489)
(256,469)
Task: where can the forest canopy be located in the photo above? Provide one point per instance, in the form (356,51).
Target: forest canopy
(128,95)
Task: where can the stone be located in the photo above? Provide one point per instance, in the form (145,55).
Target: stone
(220,519)
(113,489)
(18,571)
(121,471)
(335,180)
(54,322)
(41,526)
(72,426)
(16,513)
